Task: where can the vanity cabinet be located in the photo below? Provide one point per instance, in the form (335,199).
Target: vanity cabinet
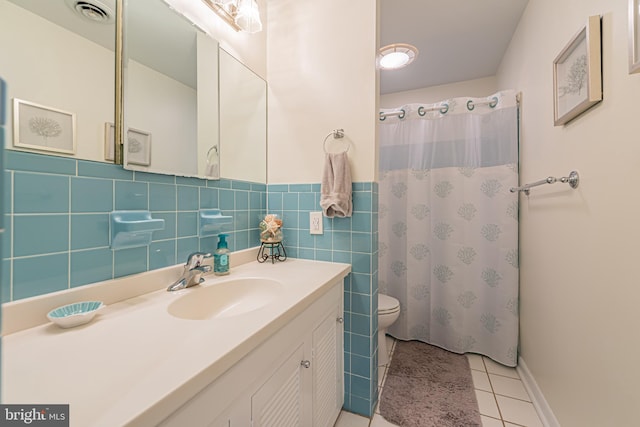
(280,401)
(294,378)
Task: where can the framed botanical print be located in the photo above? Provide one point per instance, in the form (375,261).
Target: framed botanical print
(577,74)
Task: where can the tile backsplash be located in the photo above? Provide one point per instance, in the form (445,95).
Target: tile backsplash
(350,240)
(57,220)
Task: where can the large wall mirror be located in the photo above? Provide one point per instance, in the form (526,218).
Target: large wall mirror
(190,108)
(59,59)
(243,121)
(59,63)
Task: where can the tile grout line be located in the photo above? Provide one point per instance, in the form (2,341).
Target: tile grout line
(486,372)
(493,391)
(507,397)
(386,371)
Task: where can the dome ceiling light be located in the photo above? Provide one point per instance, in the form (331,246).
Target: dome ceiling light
(397,55)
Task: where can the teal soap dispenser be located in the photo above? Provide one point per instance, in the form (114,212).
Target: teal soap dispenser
(221,257)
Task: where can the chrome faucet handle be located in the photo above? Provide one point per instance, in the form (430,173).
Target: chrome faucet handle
(195,259)
(196,275)
(203,268)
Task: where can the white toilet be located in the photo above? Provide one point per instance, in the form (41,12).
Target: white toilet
(388,312)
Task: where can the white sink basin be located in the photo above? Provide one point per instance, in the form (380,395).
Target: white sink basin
(225,299)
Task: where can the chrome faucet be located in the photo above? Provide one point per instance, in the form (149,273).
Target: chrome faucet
(192,273)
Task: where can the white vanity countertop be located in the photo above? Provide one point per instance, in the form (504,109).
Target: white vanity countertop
(135,363)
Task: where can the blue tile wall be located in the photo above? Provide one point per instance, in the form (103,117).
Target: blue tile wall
(3,200)
(349,240)
(57,218)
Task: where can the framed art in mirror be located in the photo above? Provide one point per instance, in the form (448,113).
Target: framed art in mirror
(138,147)
(43,128)
(634,36)
(577,74)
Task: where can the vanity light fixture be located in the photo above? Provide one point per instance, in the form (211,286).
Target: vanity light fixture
(397,55)
(241,15)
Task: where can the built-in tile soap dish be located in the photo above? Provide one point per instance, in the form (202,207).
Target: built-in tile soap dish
(212,222)
(130,229)
(75,314)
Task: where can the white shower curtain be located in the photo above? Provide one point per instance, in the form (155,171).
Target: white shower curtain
(448,224)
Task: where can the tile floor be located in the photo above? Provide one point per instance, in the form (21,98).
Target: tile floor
(502,398)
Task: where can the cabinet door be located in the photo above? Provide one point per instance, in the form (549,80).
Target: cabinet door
(222,421)
(327,390)
(236,416)
(279,402)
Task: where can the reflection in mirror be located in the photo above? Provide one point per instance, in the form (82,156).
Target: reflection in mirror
(243,121)
(161,89)
(208,105)
(172,87)
(61,60)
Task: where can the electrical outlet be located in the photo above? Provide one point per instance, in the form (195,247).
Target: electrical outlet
(315,222)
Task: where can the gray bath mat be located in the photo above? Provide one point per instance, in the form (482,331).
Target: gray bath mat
(427,386)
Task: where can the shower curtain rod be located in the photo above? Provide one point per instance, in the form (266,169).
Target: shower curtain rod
(444,108)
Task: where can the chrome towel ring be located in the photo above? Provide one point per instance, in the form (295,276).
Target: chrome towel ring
(337,134)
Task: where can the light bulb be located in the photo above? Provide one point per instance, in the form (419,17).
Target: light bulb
(394,60)
(248,16)
(396,56)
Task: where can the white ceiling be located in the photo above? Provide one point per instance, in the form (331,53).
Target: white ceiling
(457,40)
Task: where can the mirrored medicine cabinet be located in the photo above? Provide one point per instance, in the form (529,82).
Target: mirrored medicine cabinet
(189,108)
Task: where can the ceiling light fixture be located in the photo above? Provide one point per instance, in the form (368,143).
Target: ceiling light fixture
(241,15)
(94,10)
(397,55)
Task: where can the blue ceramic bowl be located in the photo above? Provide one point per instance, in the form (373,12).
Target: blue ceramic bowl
(75,314)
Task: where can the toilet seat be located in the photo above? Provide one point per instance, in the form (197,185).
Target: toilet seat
(387,304)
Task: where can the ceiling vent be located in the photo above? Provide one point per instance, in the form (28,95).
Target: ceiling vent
(93,10)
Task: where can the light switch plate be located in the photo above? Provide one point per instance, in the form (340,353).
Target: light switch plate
(315,222)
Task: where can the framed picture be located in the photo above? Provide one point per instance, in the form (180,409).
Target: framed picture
(43,128)
(138,147)
(634,36)
(577,74)
(109,141)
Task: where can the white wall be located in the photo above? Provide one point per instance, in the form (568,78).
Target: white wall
(165,108)
(57,68)
(243,122)
(321,68)
(477,88)
(48,65)
(208,158)
(579,248)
